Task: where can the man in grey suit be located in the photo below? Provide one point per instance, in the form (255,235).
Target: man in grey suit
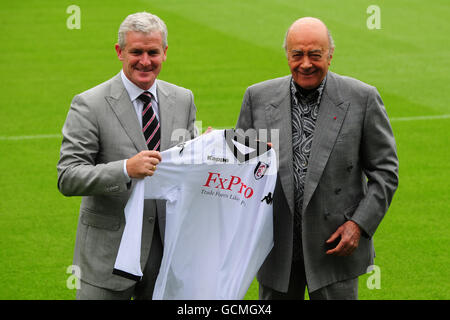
(338,170)
(104,150)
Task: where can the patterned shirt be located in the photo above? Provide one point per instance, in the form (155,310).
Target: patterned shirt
(305,109)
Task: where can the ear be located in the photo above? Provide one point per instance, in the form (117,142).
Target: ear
(330,56)
(119,51)
(165,53)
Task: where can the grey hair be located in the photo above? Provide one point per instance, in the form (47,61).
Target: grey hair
(142,22)
(330,42)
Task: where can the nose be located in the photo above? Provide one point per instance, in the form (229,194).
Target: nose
(306,63)
(145,59)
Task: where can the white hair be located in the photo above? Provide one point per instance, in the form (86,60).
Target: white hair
(142,22)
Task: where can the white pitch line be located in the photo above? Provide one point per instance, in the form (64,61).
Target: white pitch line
(59,136)
(442,116)
(37,136)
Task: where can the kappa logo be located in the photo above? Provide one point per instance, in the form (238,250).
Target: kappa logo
(268,198)
(260,170)
(217,159)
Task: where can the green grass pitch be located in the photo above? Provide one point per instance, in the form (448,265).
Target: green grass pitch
(217,49)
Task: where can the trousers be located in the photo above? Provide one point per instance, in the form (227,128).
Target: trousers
(342,290)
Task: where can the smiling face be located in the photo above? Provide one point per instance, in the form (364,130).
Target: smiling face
(307,49)
(142,57)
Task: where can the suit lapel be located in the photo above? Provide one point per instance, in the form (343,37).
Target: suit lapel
(120,103)
(278,117)
(166,103)
(331,116)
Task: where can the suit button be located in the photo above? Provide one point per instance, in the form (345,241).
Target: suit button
(337,191)
(151,219)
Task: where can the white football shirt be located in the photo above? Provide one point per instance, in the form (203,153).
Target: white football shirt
(219,222)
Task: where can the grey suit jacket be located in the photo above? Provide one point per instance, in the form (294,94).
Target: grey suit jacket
(100,132)
(352,174)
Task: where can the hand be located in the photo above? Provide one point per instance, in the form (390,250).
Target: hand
(210,129)
(350,234)
(143,164)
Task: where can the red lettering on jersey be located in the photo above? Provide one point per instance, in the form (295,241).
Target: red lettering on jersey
(231,181)
(211,179)
(248,192)
(214,180)
(222,181)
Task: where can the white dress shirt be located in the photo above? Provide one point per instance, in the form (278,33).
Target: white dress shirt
(134,92)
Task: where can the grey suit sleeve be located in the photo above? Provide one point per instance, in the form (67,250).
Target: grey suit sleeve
(191,124)
(245,120)
(380,165)
(79,174)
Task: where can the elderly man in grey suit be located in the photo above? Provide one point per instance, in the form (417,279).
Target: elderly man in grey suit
(112,135)
(338,170)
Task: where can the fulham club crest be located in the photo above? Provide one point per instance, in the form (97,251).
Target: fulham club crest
(260,170)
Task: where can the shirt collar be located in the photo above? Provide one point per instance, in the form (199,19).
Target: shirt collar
(134,91)
(314,93)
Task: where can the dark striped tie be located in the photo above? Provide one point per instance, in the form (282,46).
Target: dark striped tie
(150,123)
